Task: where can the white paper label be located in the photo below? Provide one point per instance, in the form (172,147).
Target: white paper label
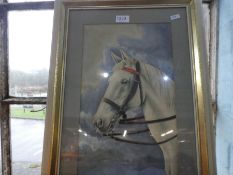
(122,19)
(174,17)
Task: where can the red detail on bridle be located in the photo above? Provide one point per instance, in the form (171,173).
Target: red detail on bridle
(130,70)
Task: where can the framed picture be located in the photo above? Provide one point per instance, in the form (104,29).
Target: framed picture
(128,90)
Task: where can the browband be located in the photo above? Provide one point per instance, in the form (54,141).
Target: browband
(130,70)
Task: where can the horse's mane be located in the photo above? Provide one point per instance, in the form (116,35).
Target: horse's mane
(155,77)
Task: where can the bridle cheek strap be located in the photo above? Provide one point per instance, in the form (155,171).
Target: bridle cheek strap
(117,107)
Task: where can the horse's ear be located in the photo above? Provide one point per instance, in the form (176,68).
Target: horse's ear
(116,58)
(124,55)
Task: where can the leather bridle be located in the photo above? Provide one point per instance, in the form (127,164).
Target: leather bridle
(121,111)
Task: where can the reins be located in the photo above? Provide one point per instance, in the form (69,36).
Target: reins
(144,143)
(131,120)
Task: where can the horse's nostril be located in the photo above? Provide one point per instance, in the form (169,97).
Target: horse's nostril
(99,123)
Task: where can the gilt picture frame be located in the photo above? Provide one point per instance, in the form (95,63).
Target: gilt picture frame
(128,90)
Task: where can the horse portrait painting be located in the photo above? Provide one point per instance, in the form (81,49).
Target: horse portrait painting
(134,83)
(127,121)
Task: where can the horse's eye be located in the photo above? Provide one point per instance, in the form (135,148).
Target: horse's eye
(124,81)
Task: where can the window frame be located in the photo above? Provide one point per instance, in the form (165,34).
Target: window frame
(5,99)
